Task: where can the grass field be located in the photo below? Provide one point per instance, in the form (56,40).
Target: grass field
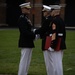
(10,54)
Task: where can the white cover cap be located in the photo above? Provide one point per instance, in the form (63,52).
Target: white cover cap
(27,5)
(55,6)
(46,8)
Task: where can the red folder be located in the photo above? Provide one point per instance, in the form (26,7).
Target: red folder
(58,44)
(48,42)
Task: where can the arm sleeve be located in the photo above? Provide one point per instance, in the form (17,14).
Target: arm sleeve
(43,29)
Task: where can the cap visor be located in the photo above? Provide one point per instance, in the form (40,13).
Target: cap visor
(28,7)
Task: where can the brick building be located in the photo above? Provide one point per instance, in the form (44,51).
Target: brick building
(10,11)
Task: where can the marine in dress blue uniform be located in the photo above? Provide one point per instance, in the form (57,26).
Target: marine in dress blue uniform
(53,26)
(26,39)
(53,57)
(45,28)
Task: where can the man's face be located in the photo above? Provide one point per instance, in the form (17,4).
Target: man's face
(45,13)
(26,10)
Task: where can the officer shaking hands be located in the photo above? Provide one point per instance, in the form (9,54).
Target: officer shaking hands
(54,27)
(26,39)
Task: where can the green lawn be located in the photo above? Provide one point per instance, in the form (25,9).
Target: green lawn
(10,54)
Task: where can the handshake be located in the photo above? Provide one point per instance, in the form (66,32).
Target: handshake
(37,36)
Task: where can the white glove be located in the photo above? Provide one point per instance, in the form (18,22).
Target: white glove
(50,49)
(34,30)
(37,36)
(50,34)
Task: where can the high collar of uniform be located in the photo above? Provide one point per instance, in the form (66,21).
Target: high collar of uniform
(56,16)
(24,14)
